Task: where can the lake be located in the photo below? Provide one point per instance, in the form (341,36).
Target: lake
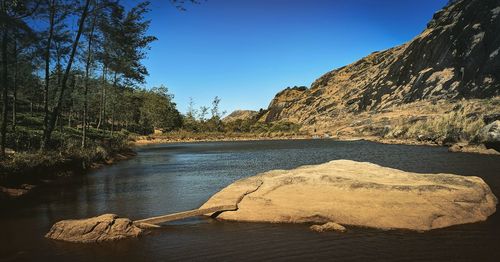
(175,177)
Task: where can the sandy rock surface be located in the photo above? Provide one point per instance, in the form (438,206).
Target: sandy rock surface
(360,194)
(106,227)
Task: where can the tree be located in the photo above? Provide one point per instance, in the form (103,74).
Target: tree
(86,83)
(202,115)
(48,67)
(64,83)
(159,110)
(13,15)
(215,120)
(125,45)
(191,111)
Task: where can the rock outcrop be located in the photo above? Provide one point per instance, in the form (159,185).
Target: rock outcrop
(106,227)
(359,194)
(490,136)
(456,56)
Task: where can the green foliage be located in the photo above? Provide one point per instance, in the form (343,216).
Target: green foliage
(214,124)
(159,111)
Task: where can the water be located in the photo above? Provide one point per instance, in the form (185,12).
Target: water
(177,177)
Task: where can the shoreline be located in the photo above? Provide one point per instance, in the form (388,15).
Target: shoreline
(14,192)
(460,147)
(154,140)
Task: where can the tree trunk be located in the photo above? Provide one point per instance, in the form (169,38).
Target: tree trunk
(102,111)
(115,81)
(112,120)
(70,117)
(71,113)
(86,84)
(60,122)
(5,82)
(47,73)
(48,132)
(14,91)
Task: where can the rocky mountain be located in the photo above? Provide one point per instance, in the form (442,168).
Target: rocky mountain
(455,57)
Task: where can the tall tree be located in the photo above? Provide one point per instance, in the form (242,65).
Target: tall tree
(51,10)
(125,45)
(64,82)
(88,63)
(13,15)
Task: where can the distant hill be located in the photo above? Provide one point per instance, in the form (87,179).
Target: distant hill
(455,57)
(239,115)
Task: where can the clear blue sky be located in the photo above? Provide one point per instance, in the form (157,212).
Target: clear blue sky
(245,51)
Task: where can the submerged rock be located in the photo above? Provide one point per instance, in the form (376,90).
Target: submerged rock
(330,226)
(472,148)
(106,227)
(12,193)
(360,194)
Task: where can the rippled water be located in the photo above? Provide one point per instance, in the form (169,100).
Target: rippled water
(177,177)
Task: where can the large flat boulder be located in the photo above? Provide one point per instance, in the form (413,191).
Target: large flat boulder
(360,194)
(106,227)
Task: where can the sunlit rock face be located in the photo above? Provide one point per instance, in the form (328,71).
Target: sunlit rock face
(360,194)
(456,56)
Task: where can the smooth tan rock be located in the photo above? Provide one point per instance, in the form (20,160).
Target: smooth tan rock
(330,226)
(106,227)
(360,194)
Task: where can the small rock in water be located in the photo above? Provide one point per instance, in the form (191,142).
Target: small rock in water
(455,148)
(11,193)
(330,226)
(106,227)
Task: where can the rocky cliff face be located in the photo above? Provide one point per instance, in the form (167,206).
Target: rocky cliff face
(456,56)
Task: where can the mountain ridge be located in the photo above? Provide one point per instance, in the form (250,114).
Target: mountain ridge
(455,57)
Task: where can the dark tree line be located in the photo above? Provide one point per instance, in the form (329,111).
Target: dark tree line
(77,64)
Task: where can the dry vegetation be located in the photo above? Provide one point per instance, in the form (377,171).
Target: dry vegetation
(440,122)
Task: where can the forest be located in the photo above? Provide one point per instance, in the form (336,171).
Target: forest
(70,69)
(73,85)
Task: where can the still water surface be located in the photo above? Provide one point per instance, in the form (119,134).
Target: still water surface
(176,177)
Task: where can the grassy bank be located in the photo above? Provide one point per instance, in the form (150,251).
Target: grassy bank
(26,166)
